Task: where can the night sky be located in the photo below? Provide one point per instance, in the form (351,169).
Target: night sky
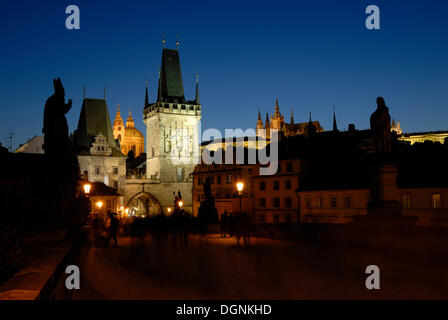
(311,55)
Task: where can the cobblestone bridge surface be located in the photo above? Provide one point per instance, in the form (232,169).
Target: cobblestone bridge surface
(216,268)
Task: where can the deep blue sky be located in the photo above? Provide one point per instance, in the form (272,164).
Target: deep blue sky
(310,54)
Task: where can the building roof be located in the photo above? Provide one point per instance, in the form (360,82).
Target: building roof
(170,81)
(99,189)
(34,145)
(93,120)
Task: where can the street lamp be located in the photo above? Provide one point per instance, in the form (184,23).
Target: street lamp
(240,187)
(87,187)
(169,210)
(99,204)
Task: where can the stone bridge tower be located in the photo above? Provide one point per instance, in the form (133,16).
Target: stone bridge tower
(172,135)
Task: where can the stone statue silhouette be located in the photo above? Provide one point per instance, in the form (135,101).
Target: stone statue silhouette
(207,211)
(56,139)
(208,190)
(380,127)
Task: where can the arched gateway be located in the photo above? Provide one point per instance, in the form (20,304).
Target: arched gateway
(144,204)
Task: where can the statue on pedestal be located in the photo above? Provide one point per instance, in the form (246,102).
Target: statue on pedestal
(56,139)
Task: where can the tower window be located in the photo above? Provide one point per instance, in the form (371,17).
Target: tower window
(180,173)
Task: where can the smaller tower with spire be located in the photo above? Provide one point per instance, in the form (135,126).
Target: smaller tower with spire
(197,101)
(118,127)
(259,124)
(130,120)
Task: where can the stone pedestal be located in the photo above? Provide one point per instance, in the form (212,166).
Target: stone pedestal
(384,207)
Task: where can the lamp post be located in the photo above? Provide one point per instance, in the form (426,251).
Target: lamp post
(240,187)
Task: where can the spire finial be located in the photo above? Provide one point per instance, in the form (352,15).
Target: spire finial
(310,116)
(292,116)
(163,41)
(177,42)
(118,106)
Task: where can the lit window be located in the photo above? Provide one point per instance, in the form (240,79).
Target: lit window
(229,178)
(406,200)
(436,201)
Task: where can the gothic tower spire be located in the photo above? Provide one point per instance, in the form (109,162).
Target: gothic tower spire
(146,95)
(335,126)
(292,117)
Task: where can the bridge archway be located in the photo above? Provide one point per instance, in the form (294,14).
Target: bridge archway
(144,204)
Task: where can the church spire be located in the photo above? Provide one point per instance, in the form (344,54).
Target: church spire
(335,126)
(259,121)
(277,109)
(267,124)
(130,120)
(292,117)
(197,101)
